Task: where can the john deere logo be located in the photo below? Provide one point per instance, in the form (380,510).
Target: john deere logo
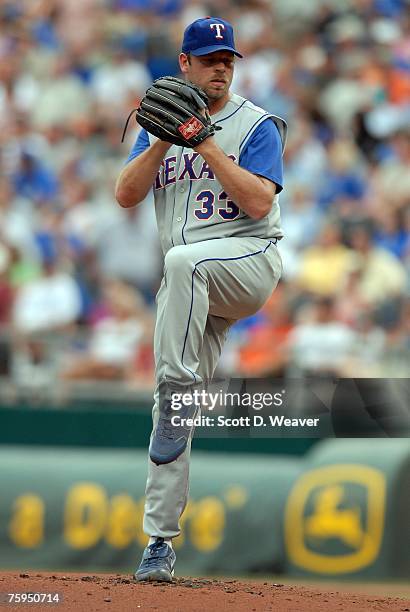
(334,518)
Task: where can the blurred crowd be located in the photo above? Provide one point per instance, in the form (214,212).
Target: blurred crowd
(78,274)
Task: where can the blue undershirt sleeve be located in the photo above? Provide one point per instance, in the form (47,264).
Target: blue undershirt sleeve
(141,144)
(262,153)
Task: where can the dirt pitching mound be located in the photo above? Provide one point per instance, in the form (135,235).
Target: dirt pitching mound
(94,593)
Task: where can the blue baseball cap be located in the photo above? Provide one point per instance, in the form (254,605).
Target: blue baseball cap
(208,35)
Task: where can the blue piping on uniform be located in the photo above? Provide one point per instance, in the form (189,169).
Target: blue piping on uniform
(173,206)
(190,183)
(228,116)
(192,294)
(260,120)
(186,211)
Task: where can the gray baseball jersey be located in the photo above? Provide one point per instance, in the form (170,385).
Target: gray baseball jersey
(191,204)
(220,266)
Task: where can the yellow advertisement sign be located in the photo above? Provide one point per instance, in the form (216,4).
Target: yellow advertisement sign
(334,518)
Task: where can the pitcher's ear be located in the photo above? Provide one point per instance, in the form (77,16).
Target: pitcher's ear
(184,62)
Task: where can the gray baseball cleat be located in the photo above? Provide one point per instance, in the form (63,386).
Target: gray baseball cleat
(157,563)
(171,437)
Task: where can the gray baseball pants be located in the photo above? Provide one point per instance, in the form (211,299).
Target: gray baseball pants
(207,286)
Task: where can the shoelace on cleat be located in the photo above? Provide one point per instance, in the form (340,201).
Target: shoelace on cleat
(153,550)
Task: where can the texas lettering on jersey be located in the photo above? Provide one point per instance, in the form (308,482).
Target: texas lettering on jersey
(191,204)
(192,167)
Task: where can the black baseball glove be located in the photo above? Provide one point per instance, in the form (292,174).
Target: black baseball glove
(176,111)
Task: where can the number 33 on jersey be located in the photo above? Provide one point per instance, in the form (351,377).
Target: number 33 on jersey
(191,205)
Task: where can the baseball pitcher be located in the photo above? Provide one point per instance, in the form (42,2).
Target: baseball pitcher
(214,161)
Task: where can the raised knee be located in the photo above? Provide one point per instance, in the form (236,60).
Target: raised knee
(178,259)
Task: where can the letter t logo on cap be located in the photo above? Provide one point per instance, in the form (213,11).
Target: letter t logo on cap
(218,27)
